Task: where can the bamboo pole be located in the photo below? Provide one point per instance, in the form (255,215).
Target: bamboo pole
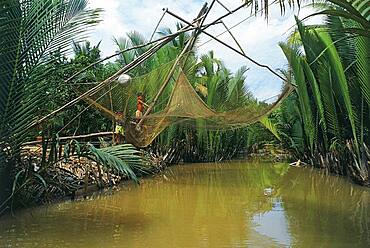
(127,50)
(220,3)
(225,15)
(94,90)
(231,34)
(91,135)
(156,27)
(111,108)
(230,47)
(166,81)
(164,40)
(200,19)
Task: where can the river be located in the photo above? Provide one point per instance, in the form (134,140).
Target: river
(238,204)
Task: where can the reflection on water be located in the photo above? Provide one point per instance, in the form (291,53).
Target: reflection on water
(206,205)
(273,224)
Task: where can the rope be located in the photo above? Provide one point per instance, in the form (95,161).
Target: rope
(235,25)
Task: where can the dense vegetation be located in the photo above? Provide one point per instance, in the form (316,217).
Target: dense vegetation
(330,66)
(325,121)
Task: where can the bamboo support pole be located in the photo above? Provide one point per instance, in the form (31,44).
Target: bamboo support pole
(200,20)
(225,15)
(156,27)
(220,3)
(98,87)
(92,103)
(111,108)
(127,50)
(231,34)
(91,135)
(166,81)
(94,90)
(162,41)
(180,31)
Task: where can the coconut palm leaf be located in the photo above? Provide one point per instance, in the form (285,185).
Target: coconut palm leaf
(363,66)
(354,10)
(331,113)
(124,159)
(317,96)
(237,91)
(124,43)
(137,39)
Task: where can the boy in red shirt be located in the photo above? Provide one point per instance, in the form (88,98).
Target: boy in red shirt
(140,106)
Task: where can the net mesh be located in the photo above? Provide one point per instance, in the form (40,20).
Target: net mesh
(178,104)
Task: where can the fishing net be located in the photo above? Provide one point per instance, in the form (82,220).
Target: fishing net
(180,103)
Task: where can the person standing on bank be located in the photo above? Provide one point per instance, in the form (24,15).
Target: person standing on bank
(119,130)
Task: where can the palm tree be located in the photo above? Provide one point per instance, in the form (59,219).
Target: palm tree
(29,34)
(332,78)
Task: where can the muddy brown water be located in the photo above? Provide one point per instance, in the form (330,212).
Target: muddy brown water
(238,204)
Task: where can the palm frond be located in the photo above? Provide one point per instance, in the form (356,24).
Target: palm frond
(317,96)
(236,86)
(268,124)
(336,64)
(31,31)
(124,159)
(355,10)
(295,62)
(363,66)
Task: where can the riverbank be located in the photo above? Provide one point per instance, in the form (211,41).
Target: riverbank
(39,181)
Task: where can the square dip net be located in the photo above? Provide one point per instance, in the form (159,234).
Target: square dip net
(180,103)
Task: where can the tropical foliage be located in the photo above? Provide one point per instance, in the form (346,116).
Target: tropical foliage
(36,35)
(29,35)
(330,65)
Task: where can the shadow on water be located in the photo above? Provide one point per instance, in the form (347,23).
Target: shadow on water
(205,205)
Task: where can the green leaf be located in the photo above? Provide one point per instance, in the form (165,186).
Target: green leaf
(336,64)
(122,158)
(295,61)
(267,123)
(15,181)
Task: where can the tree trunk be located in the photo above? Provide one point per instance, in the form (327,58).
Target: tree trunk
(5,182)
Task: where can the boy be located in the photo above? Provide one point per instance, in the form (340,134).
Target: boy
(119,130)
(140,107)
